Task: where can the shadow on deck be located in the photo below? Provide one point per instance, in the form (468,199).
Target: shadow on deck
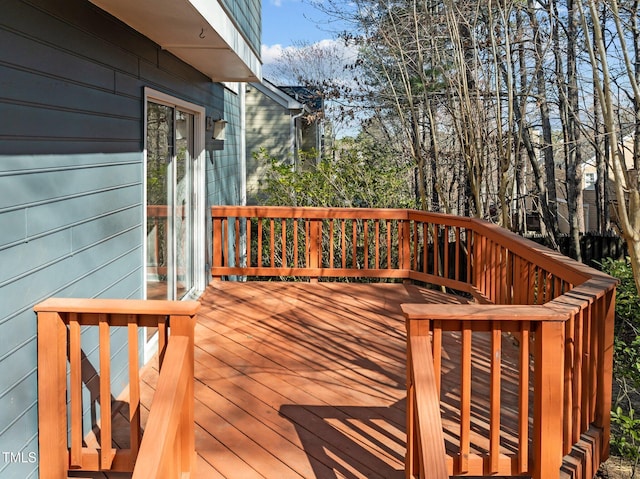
(308,380)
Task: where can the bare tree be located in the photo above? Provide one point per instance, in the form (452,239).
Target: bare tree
(626,181)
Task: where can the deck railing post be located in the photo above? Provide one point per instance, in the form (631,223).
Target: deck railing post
(217,245)
(52,404)
(605,368)
(315,246)
(412,459)
(549,389)
(184,326)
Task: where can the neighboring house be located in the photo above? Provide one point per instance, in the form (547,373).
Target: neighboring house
(283,122)
(589,177)
(108,166)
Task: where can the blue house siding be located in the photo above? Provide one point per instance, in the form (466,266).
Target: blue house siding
(224,168)
(248,17)
(71,181)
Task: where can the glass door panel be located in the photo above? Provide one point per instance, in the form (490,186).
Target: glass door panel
(159,160)
(170,186)
(183,213)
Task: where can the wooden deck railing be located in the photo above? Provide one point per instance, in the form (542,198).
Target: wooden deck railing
(167,449)
(560,312)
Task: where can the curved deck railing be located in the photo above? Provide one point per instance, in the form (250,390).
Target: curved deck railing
(167,447)
(560,311)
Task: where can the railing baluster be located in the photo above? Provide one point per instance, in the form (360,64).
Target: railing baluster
(248,228)
(415,249)
(494,421)
(295,243)
(134,385)
(465,396)
(437,353)
(354,240)
(365,226)
(331,244)
(425,248)
(75,396)
(283,223)
(343,241)
(162,340)
(377,233)
(436,250)
(389,249)
(106,448)
(272,243)
(445,245)
(457,255)
(523,398)
(259,253)
(237,241)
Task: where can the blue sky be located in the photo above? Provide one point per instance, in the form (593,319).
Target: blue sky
(285,22)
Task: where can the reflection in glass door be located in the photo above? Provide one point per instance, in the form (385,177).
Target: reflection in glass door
(170,196)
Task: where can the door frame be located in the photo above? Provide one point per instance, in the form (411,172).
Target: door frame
(199,199)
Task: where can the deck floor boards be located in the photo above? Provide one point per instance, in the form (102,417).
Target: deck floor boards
(307,380)
(311,376)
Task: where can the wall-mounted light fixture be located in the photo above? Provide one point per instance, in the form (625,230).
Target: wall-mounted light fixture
(216,127)
(219,126)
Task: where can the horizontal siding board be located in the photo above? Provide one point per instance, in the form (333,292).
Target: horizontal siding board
(29,88)
(39,121)
(16,395)
(24,164)
(97,26)
(16,367)
(24,145)
(28,54)
(13,227)
(22,259)
(85,43)
(58,186)
(88,234)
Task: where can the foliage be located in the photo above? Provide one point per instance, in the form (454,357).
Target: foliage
(625,438)
(357,175)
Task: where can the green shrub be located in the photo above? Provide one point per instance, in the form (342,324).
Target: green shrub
(625,416)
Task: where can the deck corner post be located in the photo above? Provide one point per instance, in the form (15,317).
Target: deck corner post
(185,326)
(549,392)
(605,369)
(216,239)
(52,405)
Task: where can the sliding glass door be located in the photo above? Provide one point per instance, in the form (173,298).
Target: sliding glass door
(171,187)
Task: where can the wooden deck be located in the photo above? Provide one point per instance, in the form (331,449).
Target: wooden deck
(308,380)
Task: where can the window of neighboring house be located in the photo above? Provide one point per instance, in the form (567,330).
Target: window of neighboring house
(589,179)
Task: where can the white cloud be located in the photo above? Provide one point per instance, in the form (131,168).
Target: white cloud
(271,53)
